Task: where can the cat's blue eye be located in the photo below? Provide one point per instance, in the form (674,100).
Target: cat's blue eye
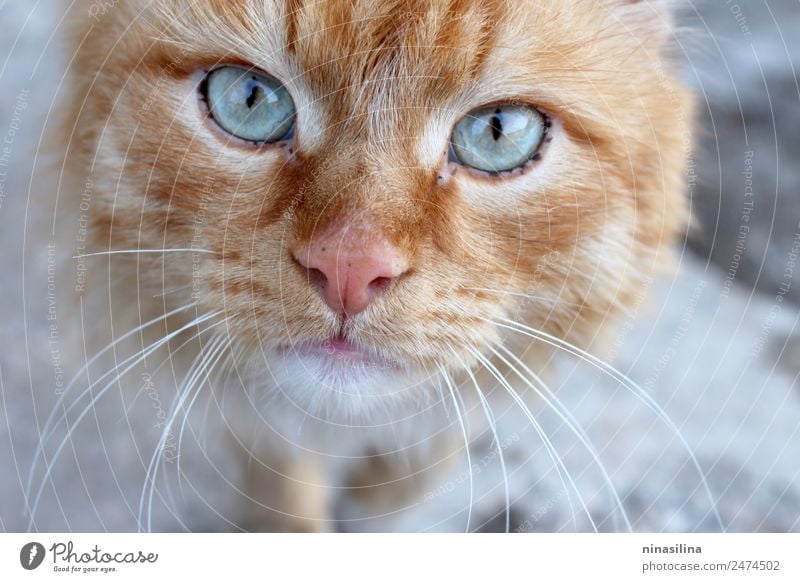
(498,138)
(252,106)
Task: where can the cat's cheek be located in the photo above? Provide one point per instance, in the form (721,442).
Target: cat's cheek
(243,159)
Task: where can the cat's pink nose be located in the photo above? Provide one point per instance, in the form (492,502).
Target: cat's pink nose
(351,265)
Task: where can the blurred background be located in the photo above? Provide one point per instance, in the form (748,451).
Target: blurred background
(718,347)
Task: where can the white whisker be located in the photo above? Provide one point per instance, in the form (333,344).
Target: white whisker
(204,349)
(625,381)
(164,362)
(165,292)
(44,433)
(493,426)
(215,354)
(526,296)
(568,419)
(142,252)
(559,463)
(466,444)
(178,402)
(137,359)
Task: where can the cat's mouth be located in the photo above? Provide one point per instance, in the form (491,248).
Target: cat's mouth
(342,350)
(336,375)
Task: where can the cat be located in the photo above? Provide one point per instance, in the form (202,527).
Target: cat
(353,218)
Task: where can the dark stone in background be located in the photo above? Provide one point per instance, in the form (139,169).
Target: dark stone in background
(744,68)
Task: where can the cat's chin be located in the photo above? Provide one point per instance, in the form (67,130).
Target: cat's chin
(339,378)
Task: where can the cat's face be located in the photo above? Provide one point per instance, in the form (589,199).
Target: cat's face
(358,246)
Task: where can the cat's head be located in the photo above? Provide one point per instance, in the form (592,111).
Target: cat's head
(375,185)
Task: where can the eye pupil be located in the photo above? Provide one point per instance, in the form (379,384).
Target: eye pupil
(255,93)
(496,125)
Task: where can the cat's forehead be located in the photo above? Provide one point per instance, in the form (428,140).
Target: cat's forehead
(375,64)
(349,50)
(444,43)
(362,64)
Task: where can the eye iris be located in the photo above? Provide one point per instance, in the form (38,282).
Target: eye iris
(499,138)
(250,106)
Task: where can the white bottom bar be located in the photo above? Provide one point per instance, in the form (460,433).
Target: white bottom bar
(401,557)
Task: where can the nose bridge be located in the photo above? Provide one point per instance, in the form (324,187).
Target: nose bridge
(336,187)
(352,237)
(350,188)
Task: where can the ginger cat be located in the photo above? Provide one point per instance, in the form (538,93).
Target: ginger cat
(350,215)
